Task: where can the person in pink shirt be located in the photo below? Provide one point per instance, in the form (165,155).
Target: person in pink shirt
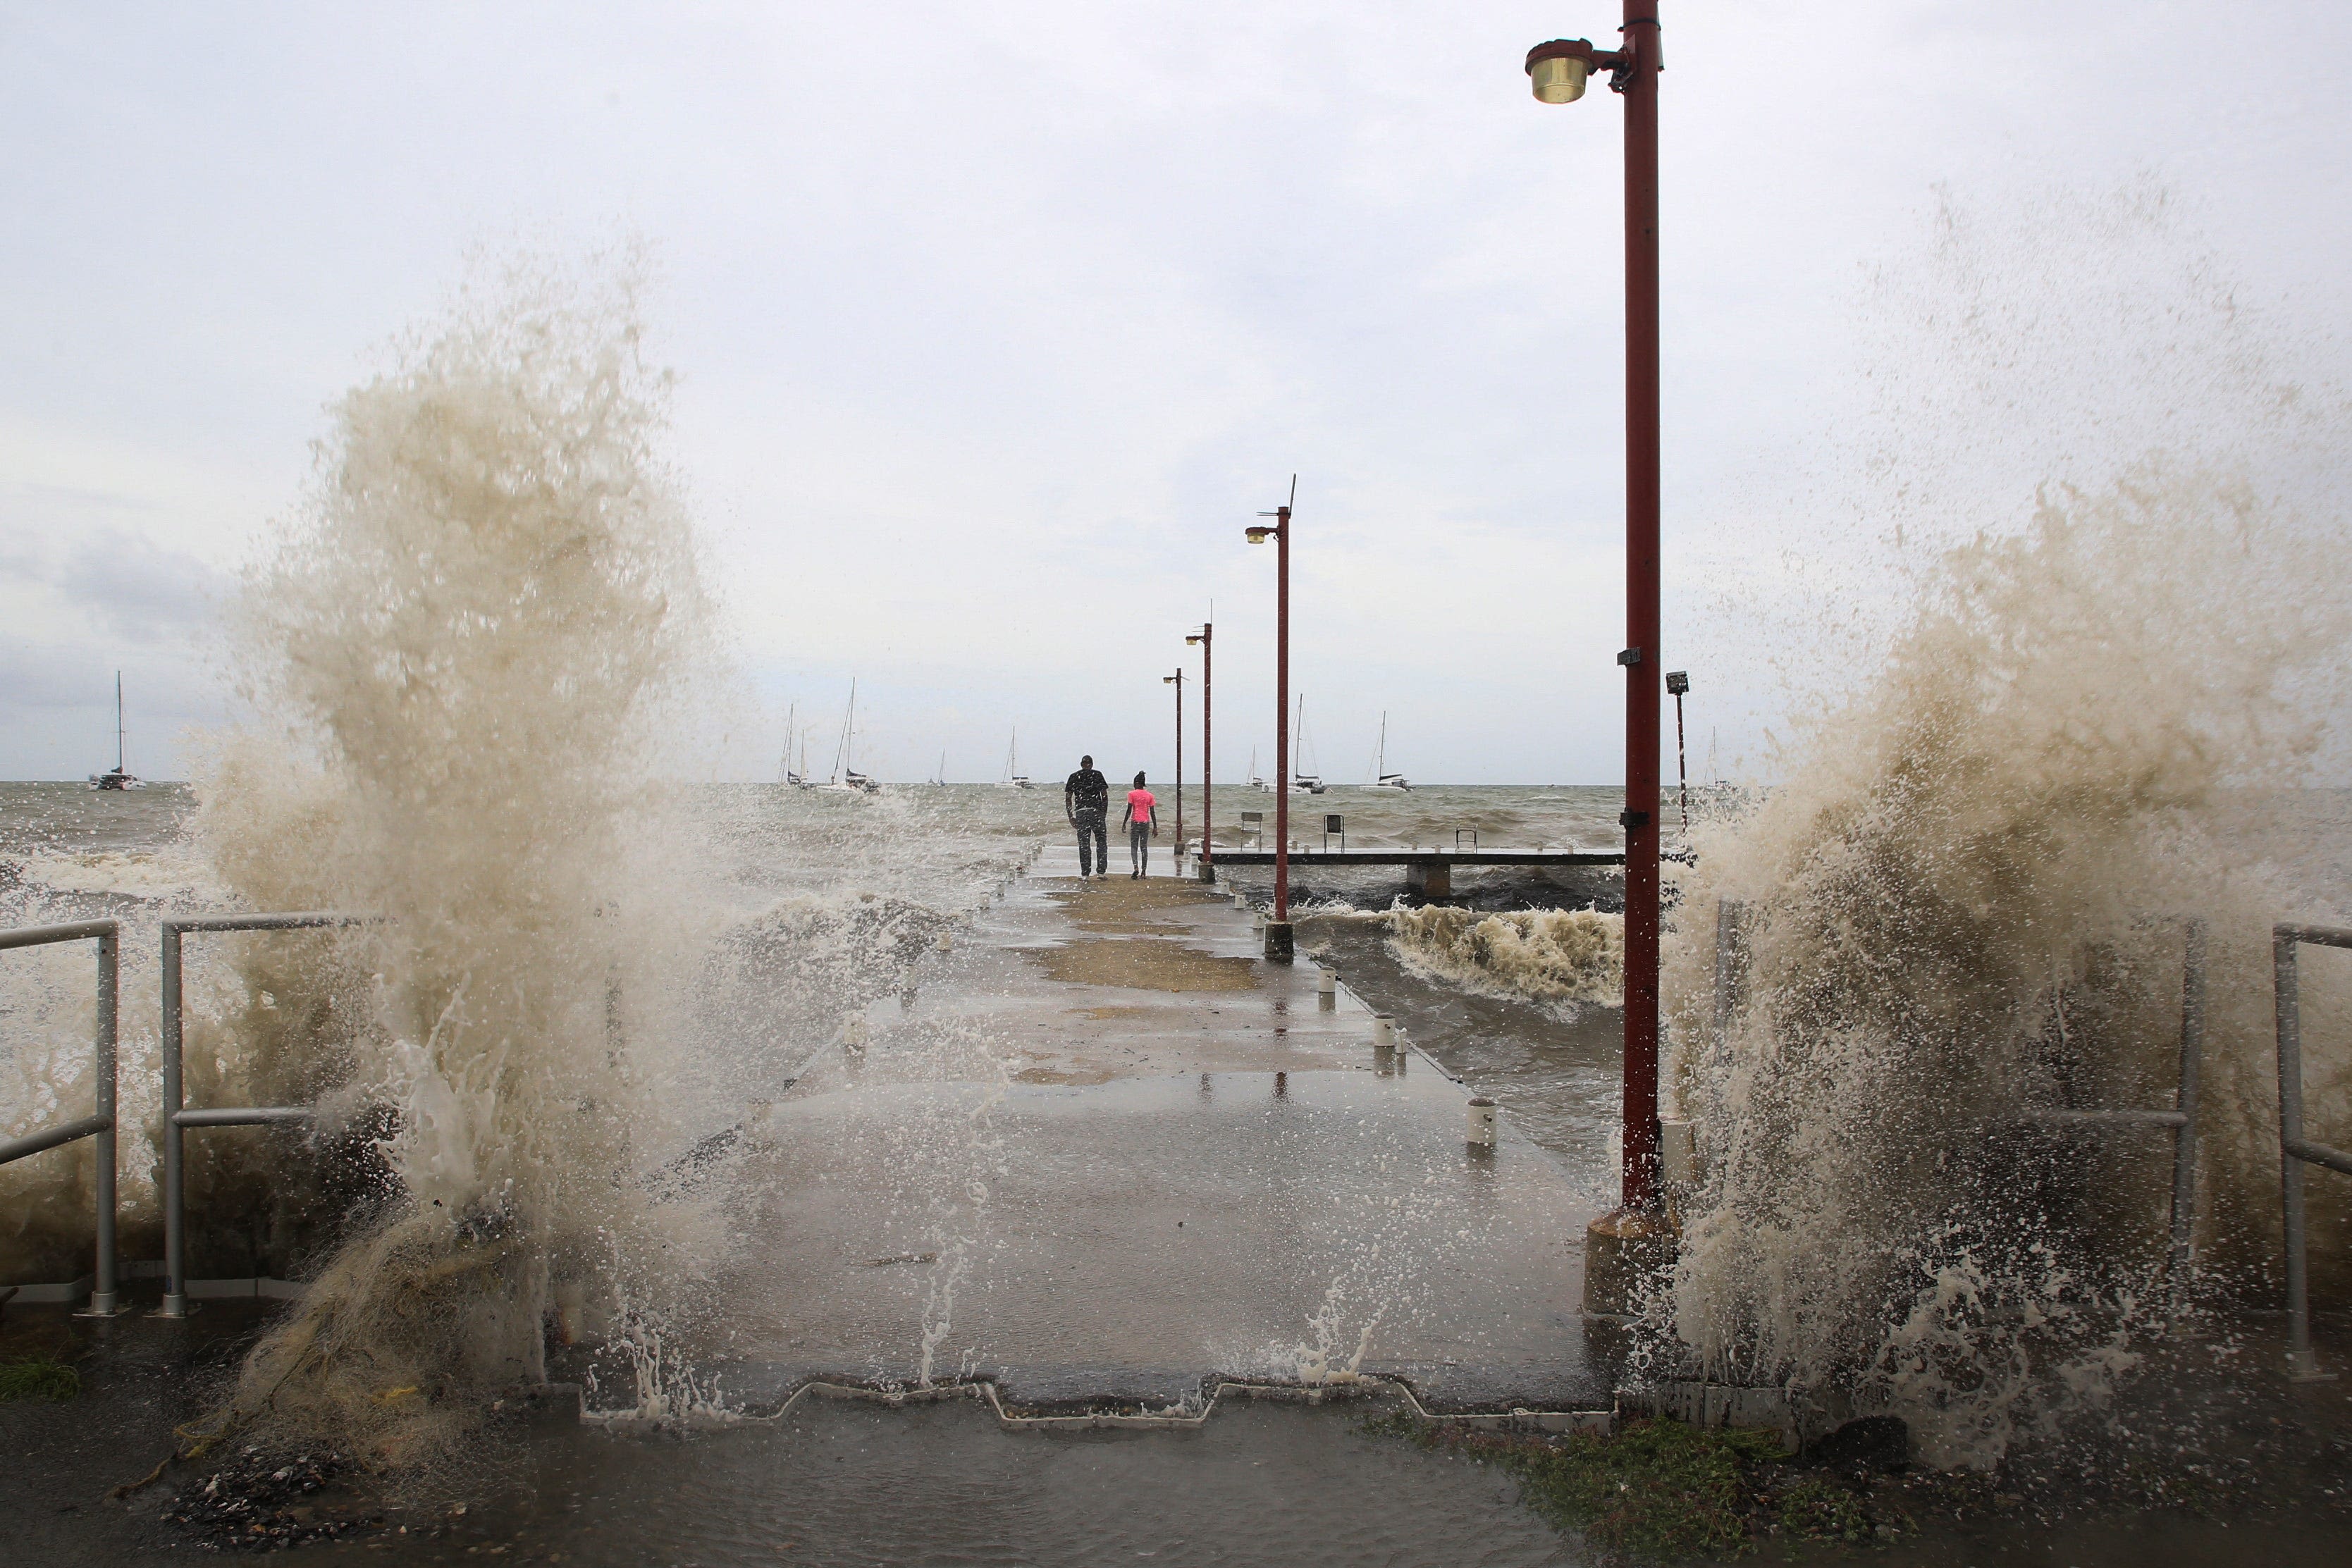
(1142,821)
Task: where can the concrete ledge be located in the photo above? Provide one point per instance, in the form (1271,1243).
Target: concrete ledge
(263,1287)
(65,1294)
(1182,1416)
(1719,1405)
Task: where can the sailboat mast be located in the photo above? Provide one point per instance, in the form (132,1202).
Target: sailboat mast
(118,721)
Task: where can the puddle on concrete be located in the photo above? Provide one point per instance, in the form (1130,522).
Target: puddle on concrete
(841,1485)
(1129,1237)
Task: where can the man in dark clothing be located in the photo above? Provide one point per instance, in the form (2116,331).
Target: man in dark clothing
(1085,800)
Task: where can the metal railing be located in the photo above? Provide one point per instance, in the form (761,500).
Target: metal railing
(2181,1119)
(177,1118)
(2295,1151)
(104,1297)
(1730,966)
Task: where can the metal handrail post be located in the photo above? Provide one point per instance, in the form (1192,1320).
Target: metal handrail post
(2295,1151)
(105,1296)
(2184,1136)
(2302,1363)
(177,1117)
(176,1224)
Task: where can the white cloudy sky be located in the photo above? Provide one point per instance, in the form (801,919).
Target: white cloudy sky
(997,322)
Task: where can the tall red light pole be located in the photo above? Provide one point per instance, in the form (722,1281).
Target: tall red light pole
(1623,1246)
(1279,946)
(1208,780)
(1177,680)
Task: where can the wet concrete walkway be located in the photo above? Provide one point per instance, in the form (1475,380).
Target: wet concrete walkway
(1103,1151)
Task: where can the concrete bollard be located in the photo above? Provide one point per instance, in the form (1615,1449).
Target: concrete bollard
(947,943)
(1327,980)
(1241,899)
(1384,1030)
(853,1032)
(1482,1124)
(1258,927)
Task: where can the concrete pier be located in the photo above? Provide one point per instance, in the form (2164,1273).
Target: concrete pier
(1106,1151)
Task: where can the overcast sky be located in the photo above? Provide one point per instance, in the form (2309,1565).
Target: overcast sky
(996,323)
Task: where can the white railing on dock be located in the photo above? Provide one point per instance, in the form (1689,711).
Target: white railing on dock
(2295,1151)
(177,1117)
(104,1296)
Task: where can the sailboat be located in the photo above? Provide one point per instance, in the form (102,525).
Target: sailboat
(845,780)
(796,777)
(941,777)
(1256,783)
(1383,780)
(122,776)
(1301,781)
(1014,777)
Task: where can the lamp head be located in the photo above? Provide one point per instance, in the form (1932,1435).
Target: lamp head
(1168,680)
(1258,536)
(1678,682)
(1192,642)
(1557,71)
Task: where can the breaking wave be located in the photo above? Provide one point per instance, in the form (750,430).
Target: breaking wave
(1560,957)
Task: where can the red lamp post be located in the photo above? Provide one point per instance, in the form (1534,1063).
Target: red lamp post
(1208,779)
(1177,680)
(1279,946)
(1621,1246)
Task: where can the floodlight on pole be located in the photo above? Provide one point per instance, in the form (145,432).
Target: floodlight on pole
(1625,1248)
(1208,762)
(1278,945)
(1177,680)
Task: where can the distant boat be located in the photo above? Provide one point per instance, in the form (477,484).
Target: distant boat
(1014,777)
(845,780)
(1256,783)
(796,777)
(119,778)
(1302,782)
(942,777)
(1383,780)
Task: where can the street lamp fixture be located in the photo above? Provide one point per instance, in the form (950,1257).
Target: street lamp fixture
(1557,70)
(1177,680)
(1629,1244)
(1201,639)
(1279,948)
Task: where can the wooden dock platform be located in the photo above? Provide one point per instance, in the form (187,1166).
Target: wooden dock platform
(1429,871)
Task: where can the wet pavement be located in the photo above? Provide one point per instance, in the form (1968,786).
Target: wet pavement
(1103,1150)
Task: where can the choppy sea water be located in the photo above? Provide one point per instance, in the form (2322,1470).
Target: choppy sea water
(850,890)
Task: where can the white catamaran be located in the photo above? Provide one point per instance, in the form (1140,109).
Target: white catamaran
(1383,780)
(120,778)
